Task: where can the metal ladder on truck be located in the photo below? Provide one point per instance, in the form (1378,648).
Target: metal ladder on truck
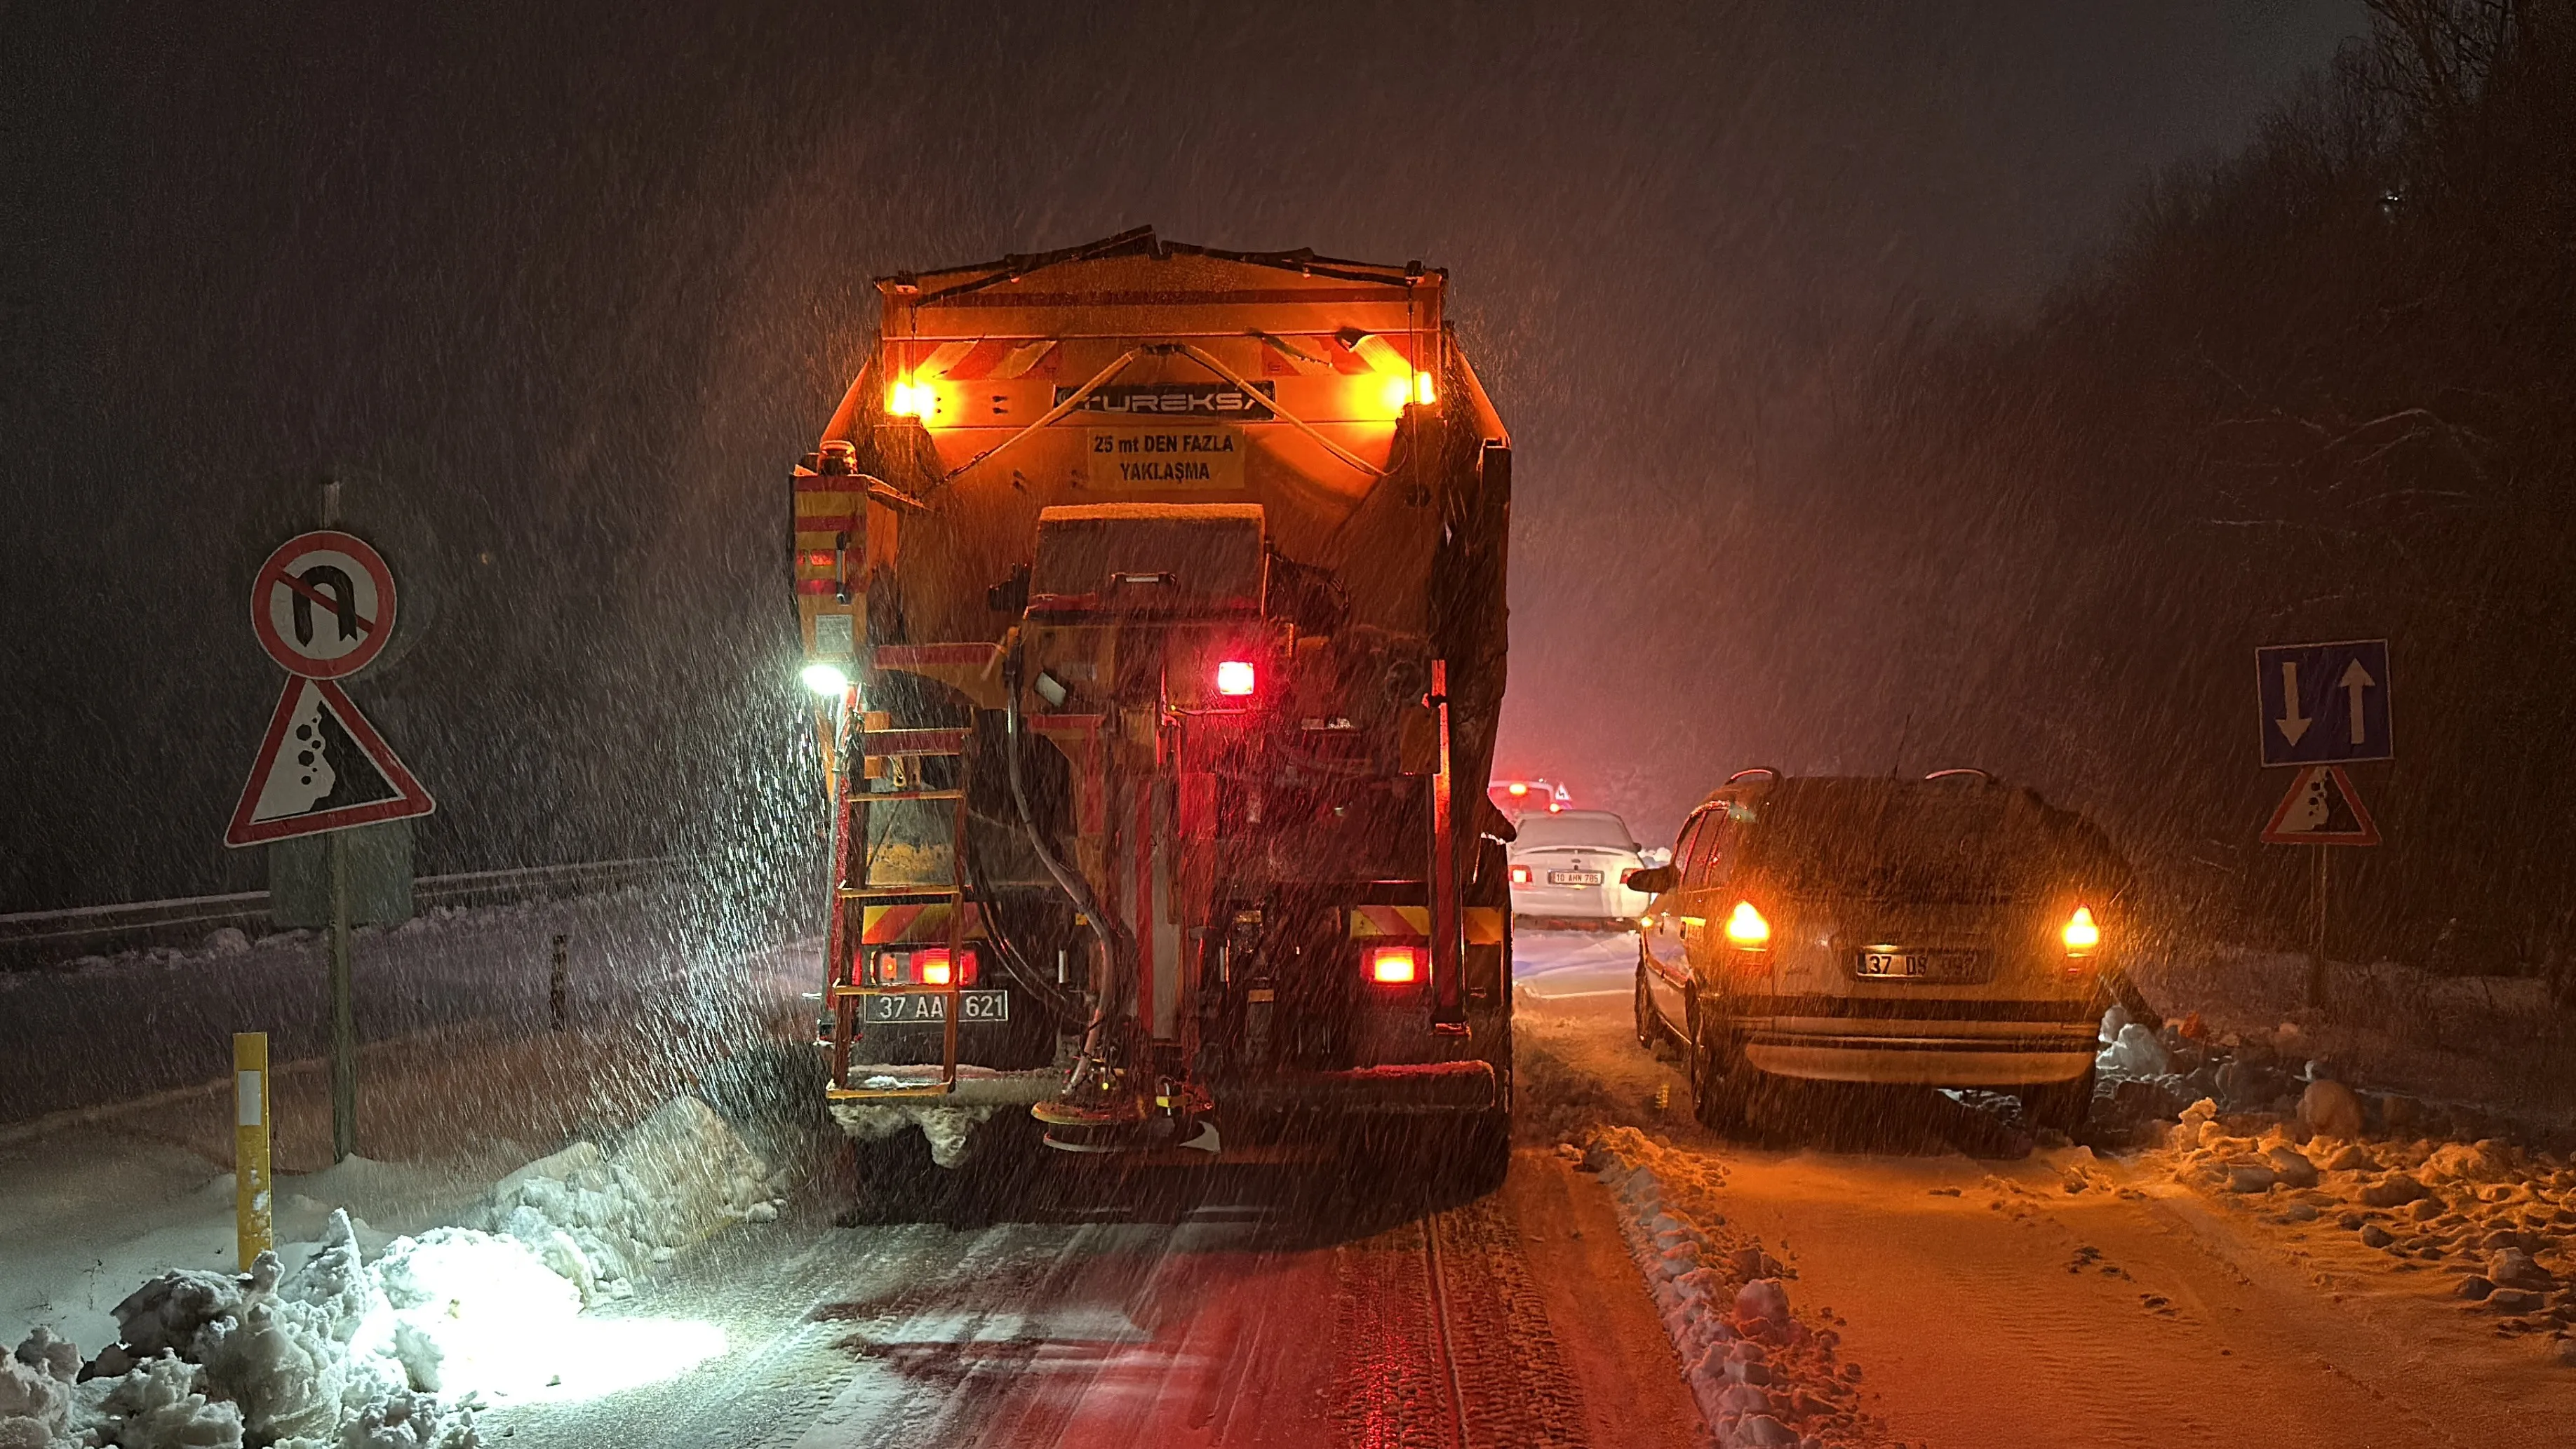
(886,753)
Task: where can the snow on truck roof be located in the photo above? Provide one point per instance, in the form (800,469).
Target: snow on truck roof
(1574,827)
(1142,242)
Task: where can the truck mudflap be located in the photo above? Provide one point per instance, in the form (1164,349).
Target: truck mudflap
(1416,1088)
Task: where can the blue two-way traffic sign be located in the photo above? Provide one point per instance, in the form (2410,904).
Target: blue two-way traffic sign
(2324,704)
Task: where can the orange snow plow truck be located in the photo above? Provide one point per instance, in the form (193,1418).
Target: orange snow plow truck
(1153,596)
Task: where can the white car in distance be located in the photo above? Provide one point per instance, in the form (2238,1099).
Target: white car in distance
(1573,865)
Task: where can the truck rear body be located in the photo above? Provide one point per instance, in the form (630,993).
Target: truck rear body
(1167,587)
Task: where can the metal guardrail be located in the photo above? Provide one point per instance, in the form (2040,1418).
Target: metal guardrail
(34,939)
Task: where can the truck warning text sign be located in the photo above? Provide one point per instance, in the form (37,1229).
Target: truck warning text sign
(1202,457)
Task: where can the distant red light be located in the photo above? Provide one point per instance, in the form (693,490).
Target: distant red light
(1235,678)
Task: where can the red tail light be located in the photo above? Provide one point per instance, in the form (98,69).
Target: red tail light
(1236,678)
(1520,875)
(1395,965)
(925,967)
(930,967)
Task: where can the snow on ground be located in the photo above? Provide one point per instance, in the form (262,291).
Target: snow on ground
(2492,1217)
(1763,1374)
(104,1030)
(2166,1282)
(405,1293)
(350,1338)
(89,1216)
(2425,1186)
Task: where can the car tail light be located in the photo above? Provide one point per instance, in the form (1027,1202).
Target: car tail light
(1520,875)
(2081,934)
(930,966)
(1395,965)
(1236,678)
(1746,930)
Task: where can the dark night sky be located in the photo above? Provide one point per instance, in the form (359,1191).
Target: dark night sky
(564,294)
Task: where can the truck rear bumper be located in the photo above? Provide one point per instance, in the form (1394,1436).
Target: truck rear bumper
(1411,1089)
(976,1086)
(1407,1089)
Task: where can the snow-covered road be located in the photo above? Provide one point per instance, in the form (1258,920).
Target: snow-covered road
(1912,1274)
(1218,1309)
(1990,1305)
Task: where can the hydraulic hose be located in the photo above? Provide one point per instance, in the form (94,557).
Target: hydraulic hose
(1111,1001)
(1053,999)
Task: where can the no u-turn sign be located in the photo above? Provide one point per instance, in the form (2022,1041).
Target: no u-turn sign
(323,604)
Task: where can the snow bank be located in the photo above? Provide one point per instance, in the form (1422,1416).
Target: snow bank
(1761,1376)
(605,1219)
(295,1359)
(2498,1215)
(342,1353)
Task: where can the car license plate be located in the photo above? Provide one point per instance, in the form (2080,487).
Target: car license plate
(1968,966)
(932,1006)
(1574,877)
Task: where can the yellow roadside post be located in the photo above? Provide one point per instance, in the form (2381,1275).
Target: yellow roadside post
(250,1145)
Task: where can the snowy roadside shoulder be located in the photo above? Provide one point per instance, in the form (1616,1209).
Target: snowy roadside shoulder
(2497,1215)
(1762,1375)
(2420,1184)
(339,1352)
(230,941)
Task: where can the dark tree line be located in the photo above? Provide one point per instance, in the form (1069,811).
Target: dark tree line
(2323,388)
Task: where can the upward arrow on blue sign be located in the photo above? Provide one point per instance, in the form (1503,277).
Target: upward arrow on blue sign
(2324,704)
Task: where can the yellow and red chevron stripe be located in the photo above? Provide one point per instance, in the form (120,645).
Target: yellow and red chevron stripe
(899,925)
(996,358)
(1313,357)
(1382,922)
(1482,925)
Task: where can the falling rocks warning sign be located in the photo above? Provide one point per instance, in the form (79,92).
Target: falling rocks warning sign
(321,767)
(2322,808)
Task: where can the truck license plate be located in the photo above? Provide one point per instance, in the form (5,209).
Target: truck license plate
(1574,877)
(933,1007)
